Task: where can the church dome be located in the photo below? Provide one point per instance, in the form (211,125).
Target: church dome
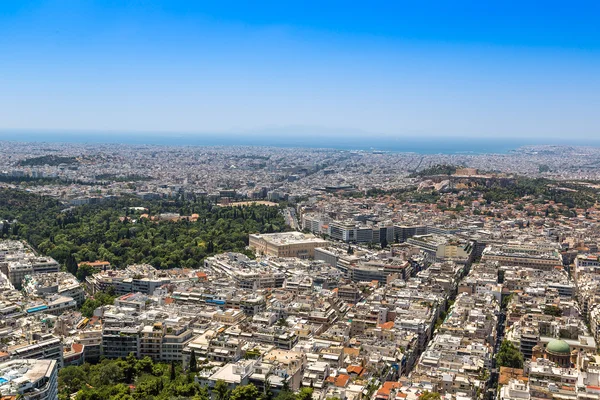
(558,347)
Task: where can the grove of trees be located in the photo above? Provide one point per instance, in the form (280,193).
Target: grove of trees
(509,356)
(112,231)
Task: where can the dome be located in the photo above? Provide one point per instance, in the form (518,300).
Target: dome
(558,346)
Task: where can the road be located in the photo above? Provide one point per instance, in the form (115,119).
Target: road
(290,218)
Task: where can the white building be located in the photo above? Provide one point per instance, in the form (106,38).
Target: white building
(29,379)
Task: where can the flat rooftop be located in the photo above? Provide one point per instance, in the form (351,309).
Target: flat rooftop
(16,373)
(288,238)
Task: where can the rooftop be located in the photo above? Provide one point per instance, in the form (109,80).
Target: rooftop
(289,238)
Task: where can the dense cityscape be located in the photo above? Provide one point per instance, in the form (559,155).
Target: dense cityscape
(164,272)
(299,200)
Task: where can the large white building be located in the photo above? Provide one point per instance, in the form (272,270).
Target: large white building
(541,256)
(288,244)
(354,232)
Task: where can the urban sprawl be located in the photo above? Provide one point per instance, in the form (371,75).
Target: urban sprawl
(368,276)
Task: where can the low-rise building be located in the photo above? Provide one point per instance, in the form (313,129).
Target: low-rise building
(61,283)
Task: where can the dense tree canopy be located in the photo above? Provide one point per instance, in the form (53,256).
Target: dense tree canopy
(112,231)
(128,378)
(244,392)
(509,356)
(570,194)
(49,159)
(440,169)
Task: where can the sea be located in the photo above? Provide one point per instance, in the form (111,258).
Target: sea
(399,144)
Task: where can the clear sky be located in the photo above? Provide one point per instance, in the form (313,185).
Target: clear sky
(399,68)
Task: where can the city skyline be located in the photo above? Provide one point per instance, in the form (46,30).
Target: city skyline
(339,71)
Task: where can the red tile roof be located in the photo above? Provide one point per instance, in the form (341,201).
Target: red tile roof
(342,380)
(387,388)
(355,369)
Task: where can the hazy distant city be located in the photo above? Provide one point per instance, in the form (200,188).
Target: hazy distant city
(75,171)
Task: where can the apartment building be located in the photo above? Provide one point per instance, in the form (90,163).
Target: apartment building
(587,264)
(53,304)
(353,232)
(538,257)
(247,273)
(442,247)
(29,379)
(40,347)
(91,340)
(120,337)
(141,278)
(17,270)
(61,283)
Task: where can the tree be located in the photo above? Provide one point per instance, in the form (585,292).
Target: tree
(5,229)
(305,394)
(252,354)
(509,356)
(144,365)
(202,394)
(439,169)
(426,395)
(244,392)
(100,299)
(172,374)
(506,301)
(285,395)
(148,387)
(95,231)
(553,310)
(71,264)
(72,378)
(122,396)
(282,322)
(111,379)
(267,394)
(286,386)
(501,274)
(193,362)
(128,366)
(108,374)
(89,394)
(221,390)
(84,271)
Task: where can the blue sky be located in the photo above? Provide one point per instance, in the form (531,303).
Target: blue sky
(397,68)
